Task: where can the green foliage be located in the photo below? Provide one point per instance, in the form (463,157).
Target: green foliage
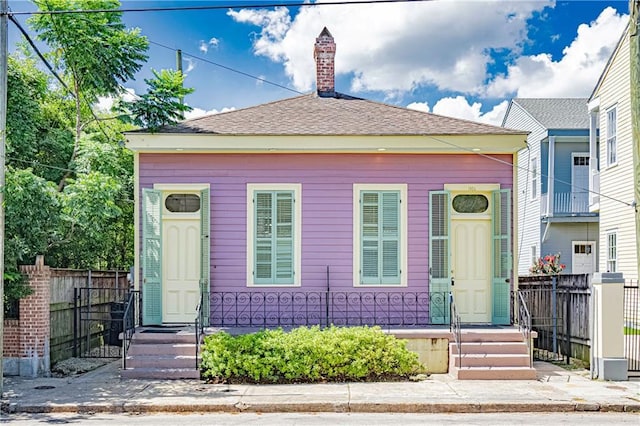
(307,355)
(161,105)
(95,50)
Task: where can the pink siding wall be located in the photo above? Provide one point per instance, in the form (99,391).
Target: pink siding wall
(327,202)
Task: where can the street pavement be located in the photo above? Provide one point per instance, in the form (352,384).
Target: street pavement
(102,391)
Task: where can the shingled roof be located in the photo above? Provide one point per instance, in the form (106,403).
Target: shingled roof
(336,115)
(557,113)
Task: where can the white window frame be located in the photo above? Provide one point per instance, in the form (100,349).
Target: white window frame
(297,236)
(534,254)
(357,189)
(612,251)
(534,178)
(612,136)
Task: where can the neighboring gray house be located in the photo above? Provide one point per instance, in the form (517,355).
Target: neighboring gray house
(553,181)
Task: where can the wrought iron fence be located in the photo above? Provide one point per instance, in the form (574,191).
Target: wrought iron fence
(98,321)
(455,328)
(323,308)
(524,324)
(632,325)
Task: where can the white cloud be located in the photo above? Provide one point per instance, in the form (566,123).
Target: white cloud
(419,106)
(198,112)
(575,74)
(105,103)
(191,65)
(395,47)
(204,45)
(459,107)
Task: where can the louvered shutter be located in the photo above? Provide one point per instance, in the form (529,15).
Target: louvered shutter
(501,256)
(205,251)
(439,256)
(151,257)
(380,237)
(274,242)
(284,238)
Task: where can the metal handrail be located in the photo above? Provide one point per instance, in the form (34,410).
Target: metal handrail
(455,327)
(199,325)
(129,324)
(524,324)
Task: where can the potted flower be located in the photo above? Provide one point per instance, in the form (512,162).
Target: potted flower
(548,265)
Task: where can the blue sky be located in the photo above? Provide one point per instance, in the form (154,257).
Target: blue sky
(458,58)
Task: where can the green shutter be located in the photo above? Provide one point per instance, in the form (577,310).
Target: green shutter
(205,251)
(380,237)
(501,256)
(439,256)
(151,257)
(274,237)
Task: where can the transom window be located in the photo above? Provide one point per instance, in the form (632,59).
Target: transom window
(182,203)
(470,203)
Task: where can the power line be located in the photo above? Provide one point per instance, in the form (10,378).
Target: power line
(263,80)
(218,7)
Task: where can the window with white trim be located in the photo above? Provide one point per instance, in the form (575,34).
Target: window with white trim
(273,234)
(534,178)
(612,127)
(612,252)
(380,239)
(534,255)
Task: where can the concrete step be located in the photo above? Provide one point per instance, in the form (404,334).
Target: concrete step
(160,373)
(154,338)
(162,349)
(489,348)
(490,360)
(494,373)
(161,361)
(506,335)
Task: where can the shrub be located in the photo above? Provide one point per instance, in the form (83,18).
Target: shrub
(548,265)
(307,355)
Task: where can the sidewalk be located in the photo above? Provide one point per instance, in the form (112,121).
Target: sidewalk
(102,390)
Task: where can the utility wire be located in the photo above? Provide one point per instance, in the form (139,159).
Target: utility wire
(200,58)
(219,7)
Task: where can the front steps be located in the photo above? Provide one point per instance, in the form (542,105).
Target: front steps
(162,354)
(491,354)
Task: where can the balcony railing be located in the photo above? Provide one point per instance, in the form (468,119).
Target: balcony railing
(565,203)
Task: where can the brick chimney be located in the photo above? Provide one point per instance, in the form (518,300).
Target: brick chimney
(324,53)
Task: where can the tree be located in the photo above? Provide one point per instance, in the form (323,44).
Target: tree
(95,52)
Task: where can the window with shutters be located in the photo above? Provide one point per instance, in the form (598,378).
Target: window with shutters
(273,234)
(380,238)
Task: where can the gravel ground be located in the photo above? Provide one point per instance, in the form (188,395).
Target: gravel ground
(73,366)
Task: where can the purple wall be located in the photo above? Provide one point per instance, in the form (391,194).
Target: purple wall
(327,202)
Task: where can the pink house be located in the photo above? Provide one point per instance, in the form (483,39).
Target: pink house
(325,208)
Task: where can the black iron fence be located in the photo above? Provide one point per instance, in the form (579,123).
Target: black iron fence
(632,325)
(131,318)
(98,322)
(323,308)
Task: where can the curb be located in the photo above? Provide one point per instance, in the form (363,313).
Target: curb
(239,407)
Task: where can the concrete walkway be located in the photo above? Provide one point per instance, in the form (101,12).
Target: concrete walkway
(102,390)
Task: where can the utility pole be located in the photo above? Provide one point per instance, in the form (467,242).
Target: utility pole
(634,47)
(179,67)
(4,47)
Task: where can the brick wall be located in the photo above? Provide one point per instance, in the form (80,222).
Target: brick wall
(26,340)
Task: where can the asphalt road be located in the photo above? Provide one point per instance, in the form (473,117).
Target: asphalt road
(284,419)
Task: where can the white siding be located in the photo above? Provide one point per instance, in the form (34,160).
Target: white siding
(528,208)
(616,182)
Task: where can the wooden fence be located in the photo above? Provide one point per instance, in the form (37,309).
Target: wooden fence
(560,314)
(62,284)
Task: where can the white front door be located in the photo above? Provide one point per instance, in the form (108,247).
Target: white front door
(471,271)
(583,260)
(180,256)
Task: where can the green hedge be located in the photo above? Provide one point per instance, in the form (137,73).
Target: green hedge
(307,355)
